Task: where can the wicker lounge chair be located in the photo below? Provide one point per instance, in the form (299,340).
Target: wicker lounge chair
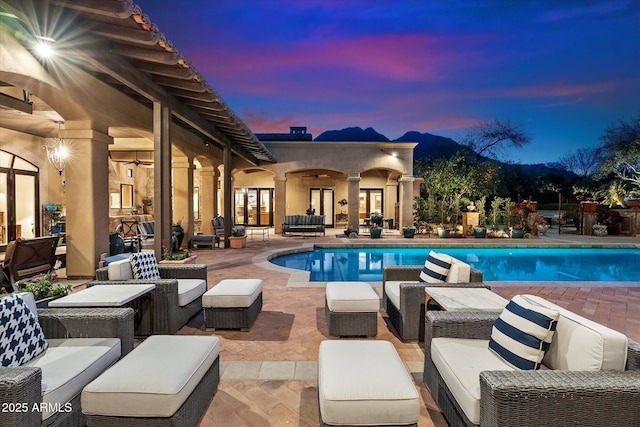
(169,316)
(21,388)
(26,258)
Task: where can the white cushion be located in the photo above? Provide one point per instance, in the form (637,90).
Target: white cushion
(460,272)
(352,297)
(522,333)
(154,380)
(70,364)
(365,383)
(459,362)
(21,338)
(233,293)
(392,289)
(189,290)
(120,270)
(436,268)
(28,299)
(144,265)
(581,344)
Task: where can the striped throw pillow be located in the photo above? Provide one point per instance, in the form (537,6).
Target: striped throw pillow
(522,333)
(436,268)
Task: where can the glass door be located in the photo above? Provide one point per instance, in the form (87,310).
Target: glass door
(266,202)
(240,194)
(254,206)
(321,199)
(4,213)
(25,207)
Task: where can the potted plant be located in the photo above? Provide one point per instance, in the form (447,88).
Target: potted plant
(600,230)
(408,232)
(178,232)
(376,231)
(479,231)
(45,288)
(632,201)
(517,231)
(444,233)
(238,239)
(176,257)
(350,230)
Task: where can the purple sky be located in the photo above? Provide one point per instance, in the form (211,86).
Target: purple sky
(564,69)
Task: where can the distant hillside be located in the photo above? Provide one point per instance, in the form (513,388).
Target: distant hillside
(352,134)
(429,145)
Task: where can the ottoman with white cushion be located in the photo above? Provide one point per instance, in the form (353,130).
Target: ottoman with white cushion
(351,309)
(166,380)
(364,383)
(232,304)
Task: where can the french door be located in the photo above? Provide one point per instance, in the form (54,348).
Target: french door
(321,199)
(254,206)
(19,213)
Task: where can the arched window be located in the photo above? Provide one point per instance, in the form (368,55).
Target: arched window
(19,198)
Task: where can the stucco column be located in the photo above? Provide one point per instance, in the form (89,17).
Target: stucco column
(208,198)
(227,182)
(183,195)
(280,208)
(354,200)
(87,198)
(406,201)
(162,194)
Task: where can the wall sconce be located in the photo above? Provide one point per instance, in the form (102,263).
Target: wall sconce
(57,152)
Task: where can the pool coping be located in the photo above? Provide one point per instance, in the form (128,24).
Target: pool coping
(301,279)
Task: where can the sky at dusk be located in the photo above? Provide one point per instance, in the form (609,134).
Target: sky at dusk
(564,70)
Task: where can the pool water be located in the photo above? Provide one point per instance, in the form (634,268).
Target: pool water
(496,264)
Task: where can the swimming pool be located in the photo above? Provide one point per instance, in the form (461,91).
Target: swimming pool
(496,264)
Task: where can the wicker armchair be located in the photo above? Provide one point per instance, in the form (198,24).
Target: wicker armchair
(168,315)
(21,387)
(534,398)
(408,320)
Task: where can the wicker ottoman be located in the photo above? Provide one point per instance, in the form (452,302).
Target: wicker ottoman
(168,380)
(364,383)
(351,309)
(204,241)
(232,304)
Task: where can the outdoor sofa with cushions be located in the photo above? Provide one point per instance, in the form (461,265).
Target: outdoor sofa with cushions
(303,224)
(403,294)
(26,258)
(80,345)
(590,374)
(177,296)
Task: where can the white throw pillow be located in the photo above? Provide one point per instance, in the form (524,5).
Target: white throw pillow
(144,265)
(522,333)
(436,268)
(21,338)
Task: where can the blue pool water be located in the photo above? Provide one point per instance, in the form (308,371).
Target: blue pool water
(496,264)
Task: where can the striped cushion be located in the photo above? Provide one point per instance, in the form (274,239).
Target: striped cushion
(436,268)
(522,333)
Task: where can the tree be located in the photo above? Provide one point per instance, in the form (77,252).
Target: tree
(583,162)
(492,137)
(621,151)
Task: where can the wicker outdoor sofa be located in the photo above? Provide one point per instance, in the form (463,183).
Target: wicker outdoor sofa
(303,224)
(169,316)
(550,396)
(408,319)
(21,388)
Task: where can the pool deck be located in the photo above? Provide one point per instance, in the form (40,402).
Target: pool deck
(269,373)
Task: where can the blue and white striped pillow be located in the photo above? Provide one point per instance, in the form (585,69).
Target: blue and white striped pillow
(522,333)
(436,268)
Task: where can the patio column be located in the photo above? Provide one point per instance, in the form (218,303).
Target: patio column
(183,194)
(208,192)
(354,200)
(228,214)
(406,201)
(87,198)
(280,208)
(163,206)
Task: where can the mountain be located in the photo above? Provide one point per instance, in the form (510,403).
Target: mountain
(352,134)
(429,145)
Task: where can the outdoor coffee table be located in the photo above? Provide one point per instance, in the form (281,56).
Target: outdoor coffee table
(110,296)
(255,230)
(465,299)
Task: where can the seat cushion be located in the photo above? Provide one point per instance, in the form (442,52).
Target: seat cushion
(365,383)
(436,268)
(522,333)
(233,293)
(392,289)
(120,270)
(459,362)
(352,297)
(154,380)
(144,265)
(21,338)
(581,344)
(189,290)
(70,364)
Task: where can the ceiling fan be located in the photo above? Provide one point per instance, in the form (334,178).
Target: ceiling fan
(317,176)
(125,158)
